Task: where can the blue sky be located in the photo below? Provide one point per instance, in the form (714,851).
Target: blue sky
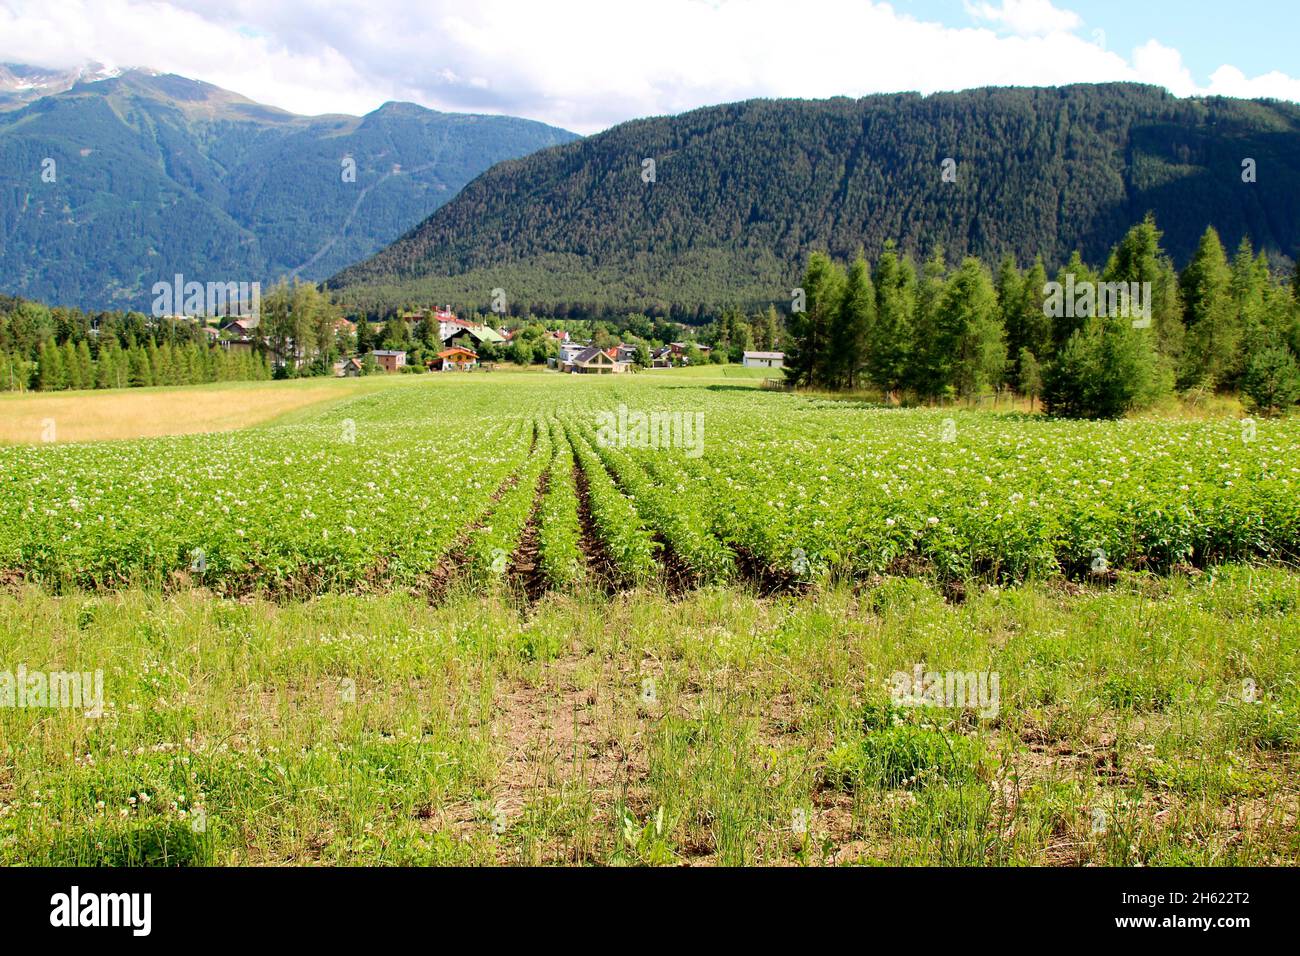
(588,64)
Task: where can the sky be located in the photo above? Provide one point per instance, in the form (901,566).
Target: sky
(586,65)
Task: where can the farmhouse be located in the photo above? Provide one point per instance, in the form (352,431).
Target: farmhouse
(469,336)
(390,361)
(348,368)
(763,359)
(455,359)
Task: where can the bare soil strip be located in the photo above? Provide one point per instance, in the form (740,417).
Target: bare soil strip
(601,566)
(525,571)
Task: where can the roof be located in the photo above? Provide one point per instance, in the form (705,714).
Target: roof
(588,354)
(387,352)
(765,355)
(455,350)
(481,333)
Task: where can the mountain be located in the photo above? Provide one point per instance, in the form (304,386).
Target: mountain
(20,83)
(742,192)
(155,174)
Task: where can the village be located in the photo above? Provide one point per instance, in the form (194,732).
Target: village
(464,345)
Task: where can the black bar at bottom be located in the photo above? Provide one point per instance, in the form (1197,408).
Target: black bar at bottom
(340,906)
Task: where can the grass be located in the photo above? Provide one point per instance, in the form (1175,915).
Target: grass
(1154,721)
(115,414)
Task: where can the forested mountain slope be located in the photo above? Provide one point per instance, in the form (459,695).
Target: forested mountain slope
(742,192)
(158,174)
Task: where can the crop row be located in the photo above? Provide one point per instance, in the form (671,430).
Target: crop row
(559,531)
(629,542)
(492,543)
(663,510)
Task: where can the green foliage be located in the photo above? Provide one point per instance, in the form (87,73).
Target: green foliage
(1272,379)
(1106,369)
(1213,331)
(976,336)
(559,534)
(810,357)
(851,330)
(889,343)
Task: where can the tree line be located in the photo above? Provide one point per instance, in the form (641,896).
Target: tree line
(51,349)
(58,348)
(938,333)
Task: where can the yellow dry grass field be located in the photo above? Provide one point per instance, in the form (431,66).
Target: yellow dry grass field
(35,417)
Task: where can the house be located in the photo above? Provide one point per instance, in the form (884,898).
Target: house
(567,351)
(594,361)
(626,354)
(390,361)
(447,322)
(241,327)
(348,368)
(678,350)
(471,336)
(763,359)
(455,359)
(661,357)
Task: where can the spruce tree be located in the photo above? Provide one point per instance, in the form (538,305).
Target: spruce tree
(853,322)
(970,309)
(809,360)
(1212,333)
(934,337)
(889,342)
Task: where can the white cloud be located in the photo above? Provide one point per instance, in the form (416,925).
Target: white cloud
(1027,17)
(581,64)
(1153,62)
(1230,81)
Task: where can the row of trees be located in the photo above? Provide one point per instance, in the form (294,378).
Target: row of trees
(940,333)
(57,348)
(67,366)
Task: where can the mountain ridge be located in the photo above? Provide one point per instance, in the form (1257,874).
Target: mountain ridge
(155,173)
